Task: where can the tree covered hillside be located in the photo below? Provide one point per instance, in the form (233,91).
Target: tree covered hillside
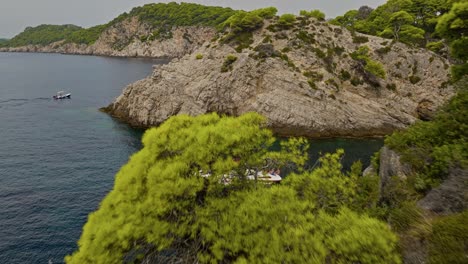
(435,24)
(3,42)
(183,14)
(411,21)
(42,35)
(157,15)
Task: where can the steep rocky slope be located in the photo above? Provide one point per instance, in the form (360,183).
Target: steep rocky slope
(123,40)
(305,79)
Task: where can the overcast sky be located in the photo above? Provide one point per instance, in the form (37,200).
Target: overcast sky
(15,15)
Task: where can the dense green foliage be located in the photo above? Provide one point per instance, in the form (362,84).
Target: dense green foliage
(449,240)
(183,14)
(348,20)
(435,46)
(161,199)
(3,41)
(248,21)
(242,24)
(417,22)
(432,148)
(243,21)
(410,21)
(265,13)
(42,35)
(86,35)
(313,13)
(286,20)
(454,27)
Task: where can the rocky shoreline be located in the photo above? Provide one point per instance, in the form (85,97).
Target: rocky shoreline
(304,93)
(304,80)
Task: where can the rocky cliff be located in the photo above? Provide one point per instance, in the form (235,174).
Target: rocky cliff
(305,79)
(124,40)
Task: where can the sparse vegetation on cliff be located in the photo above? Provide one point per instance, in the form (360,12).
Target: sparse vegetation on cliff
(227,65)
(453,27)
(432,148)
(371,66)
(416,22)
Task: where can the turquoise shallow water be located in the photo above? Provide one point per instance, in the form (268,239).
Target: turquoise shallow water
(58,158)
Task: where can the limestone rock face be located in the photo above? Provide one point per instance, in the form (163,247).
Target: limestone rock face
(123,40)
(450,197)
(390,165)
(285,77)
(426,110)
(303,79)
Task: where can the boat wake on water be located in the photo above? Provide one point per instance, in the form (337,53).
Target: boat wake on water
(21,101)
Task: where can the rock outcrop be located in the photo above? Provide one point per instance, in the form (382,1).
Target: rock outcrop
(450,197)
(391,165)
(302,79)
(123,40)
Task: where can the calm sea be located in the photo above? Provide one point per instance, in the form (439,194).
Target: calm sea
(58,158)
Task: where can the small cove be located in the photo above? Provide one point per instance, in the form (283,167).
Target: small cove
(58,158)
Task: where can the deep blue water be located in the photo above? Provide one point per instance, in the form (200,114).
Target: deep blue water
(58,158)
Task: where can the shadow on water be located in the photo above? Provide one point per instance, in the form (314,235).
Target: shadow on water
(355,150)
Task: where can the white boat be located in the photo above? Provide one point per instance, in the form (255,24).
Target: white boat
(266,177)
(62,95)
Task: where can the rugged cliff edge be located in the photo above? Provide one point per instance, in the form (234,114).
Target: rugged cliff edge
(306,80)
